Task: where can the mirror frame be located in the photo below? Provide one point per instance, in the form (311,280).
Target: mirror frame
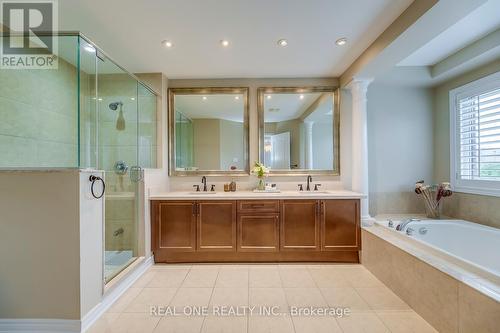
(335,171)
(171,129)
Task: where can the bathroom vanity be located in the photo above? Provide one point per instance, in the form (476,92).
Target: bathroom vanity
(256,227)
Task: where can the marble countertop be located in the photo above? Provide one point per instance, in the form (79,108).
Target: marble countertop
(240,195)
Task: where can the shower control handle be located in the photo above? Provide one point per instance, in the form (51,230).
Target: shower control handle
(136,173)
(121,168)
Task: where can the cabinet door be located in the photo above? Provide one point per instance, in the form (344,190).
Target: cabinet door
(340,227)
(174,226)
(216,226)
(299,229)
(258,233)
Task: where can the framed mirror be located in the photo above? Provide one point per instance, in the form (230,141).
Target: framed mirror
(299,130)
(208,131)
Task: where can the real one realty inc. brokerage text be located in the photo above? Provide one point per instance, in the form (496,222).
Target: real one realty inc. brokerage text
(232,311)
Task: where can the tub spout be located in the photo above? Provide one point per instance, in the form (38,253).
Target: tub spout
(402,226)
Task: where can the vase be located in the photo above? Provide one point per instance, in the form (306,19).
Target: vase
(261,186)
(433,211)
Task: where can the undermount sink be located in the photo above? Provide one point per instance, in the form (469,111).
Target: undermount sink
(201,192)
(313,192)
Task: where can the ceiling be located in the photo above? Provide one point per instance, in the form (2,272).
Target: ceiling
(283,107)
(476,25)
(220,106)
(131,32)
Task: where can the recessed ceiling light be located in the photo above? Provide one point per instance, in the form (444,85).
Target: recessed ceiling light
(268,96)
(224,43)
(283,42)
(167,43)
(89,48)
(341,41)
(204,98)
(301,96)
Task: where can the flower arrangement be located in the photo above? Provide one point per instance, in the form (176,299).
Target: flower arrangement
(261,172)
(433,195)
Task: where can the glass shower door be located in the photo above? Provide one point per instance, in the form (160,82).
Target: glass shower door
(118,157)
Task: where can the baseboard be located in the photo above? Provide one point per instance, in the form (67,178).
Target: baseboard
(40,325)
(112,296)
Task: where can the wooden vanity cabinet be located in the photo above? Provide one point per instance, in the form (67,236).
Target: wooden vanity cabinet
(256,230)
(216,225)
(173,228)
(299,228)
(258,226)
(340,225)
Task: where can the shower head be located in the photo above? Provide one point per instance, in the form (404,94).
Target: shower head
(114,106)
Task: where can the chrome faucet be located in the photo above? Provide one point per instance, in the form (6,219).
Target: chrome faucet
(309,180)
(401,226)
(204,182)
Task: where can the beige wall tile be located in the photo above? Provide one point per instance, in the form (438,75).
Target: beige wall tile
(437,298)
(477,312)
(395,203)
(475,208)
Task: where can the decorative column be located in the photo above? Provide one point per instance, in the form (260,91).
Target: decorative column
(358,88)
(308,125)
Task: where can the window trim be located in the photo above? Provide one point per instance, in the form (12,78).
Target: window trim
(481,187)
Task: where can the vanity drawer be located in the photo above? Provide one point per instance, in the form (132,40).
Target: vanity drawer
(258,206)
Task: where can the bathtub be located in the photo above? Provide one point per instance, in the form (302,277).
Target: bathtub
(438,263)
(474,244)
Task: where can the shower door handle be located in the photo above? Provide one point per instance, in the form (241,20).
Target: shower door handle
(136,173)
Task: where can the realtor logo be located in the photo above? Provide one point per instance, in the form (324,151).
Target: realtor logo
(28,40)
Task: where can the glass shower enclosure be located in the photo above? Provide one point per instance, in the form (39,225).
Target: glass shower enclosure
(87,113)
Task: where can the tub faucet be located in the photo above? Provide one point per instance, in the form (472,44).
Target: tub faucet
(401,226)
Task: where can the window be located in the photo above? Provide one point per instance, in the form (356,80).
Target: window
(475,136)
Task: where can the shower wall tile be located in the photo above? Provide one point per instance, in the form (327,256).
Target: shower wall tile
(56,153)
(39,110)
(18,119)
(12,155)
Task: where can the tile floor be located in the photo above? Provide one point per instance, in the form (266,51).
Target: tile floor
(374,307)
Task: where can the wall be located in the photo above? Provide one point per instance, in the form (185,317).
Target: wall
(289,182)
(320,146)
(155,180)
(39,251)
(400,146)
(476,208)
(293,126)
(232,149)
(206,138)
